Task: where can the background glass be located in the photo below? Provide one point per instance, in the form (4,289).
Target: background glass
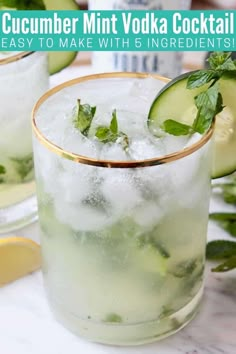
(23,79)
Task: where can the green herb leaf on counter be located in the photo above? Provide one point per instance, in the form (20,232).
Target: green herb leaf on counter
(223,216)
(113,318)
(83,117)
(111,134)
(229,264)
(228,190)
(23,4)
(2,170)
(226,220)
(23,166)
(220,249)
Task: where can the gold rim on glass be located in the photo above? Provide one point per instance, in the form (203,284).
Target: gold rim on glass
(16,57)
(110,163)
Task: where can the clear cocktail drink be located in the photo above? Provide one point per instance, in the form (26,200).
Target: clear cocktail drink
(23,79)
(123,222)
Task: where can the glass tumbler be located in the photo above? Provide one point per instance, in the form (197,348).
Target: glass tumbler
(123,242)
(23,79)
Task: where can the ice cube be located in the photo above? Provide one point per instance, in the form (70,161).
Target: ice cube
(148,214)
(119,190)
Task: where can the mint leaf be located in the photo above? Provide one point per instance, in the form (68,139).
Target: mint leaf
(228,191)
(105,135)
(201,77)
(114,124)
(223,216)
(23,4)
(2,170)
(209,104)
(113,318)
(221,61)
(173,127)
(23,166)
(220,249)
(185,268)
(111,134)
(228,265)
(227,221)
(83,117)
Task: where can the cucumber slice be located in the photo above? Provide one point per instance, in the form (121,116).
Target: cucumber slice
(61,5)
(176,102)
(60,60)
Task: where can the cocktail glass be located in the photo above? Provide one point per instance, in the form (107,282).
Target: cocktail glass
(23,79)
(123,242)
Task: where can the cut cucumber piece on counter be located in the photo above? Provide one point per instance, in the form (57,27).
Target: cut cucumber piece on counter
(176,102)
(60,60)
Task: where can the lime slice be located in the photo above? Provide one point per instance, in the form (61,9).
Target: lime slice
(176,102)
(60,60)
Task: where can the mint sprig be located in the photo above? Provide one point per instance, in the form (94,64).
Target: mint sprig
(23,4)
(111,133)
(83,117)
(209,102)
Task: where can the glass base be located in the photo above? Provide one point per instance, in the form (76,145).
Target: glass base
(131,334)
(18,215)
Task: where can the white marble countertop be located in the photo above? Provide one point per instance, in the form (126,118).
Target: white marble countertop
(27,325)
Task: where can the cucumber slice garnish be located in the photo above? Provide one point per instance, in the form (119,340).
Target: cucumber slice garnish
(61,5)
(176,102)
(60,60)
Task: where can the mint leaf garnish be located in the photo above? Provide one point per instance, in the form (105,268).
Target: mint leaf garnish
(176,128)
(23,4)
(114,123)
(23,166)
(217,250)
(113,318)
(221,61)
(111,134)
(83,117)
(209,104)
(200,78)
(230,264)
(2,170)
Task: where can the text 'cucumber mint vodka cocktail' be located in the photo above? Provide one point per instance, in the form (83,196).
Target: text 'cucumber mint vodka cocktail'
(23,79)
(123,209)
